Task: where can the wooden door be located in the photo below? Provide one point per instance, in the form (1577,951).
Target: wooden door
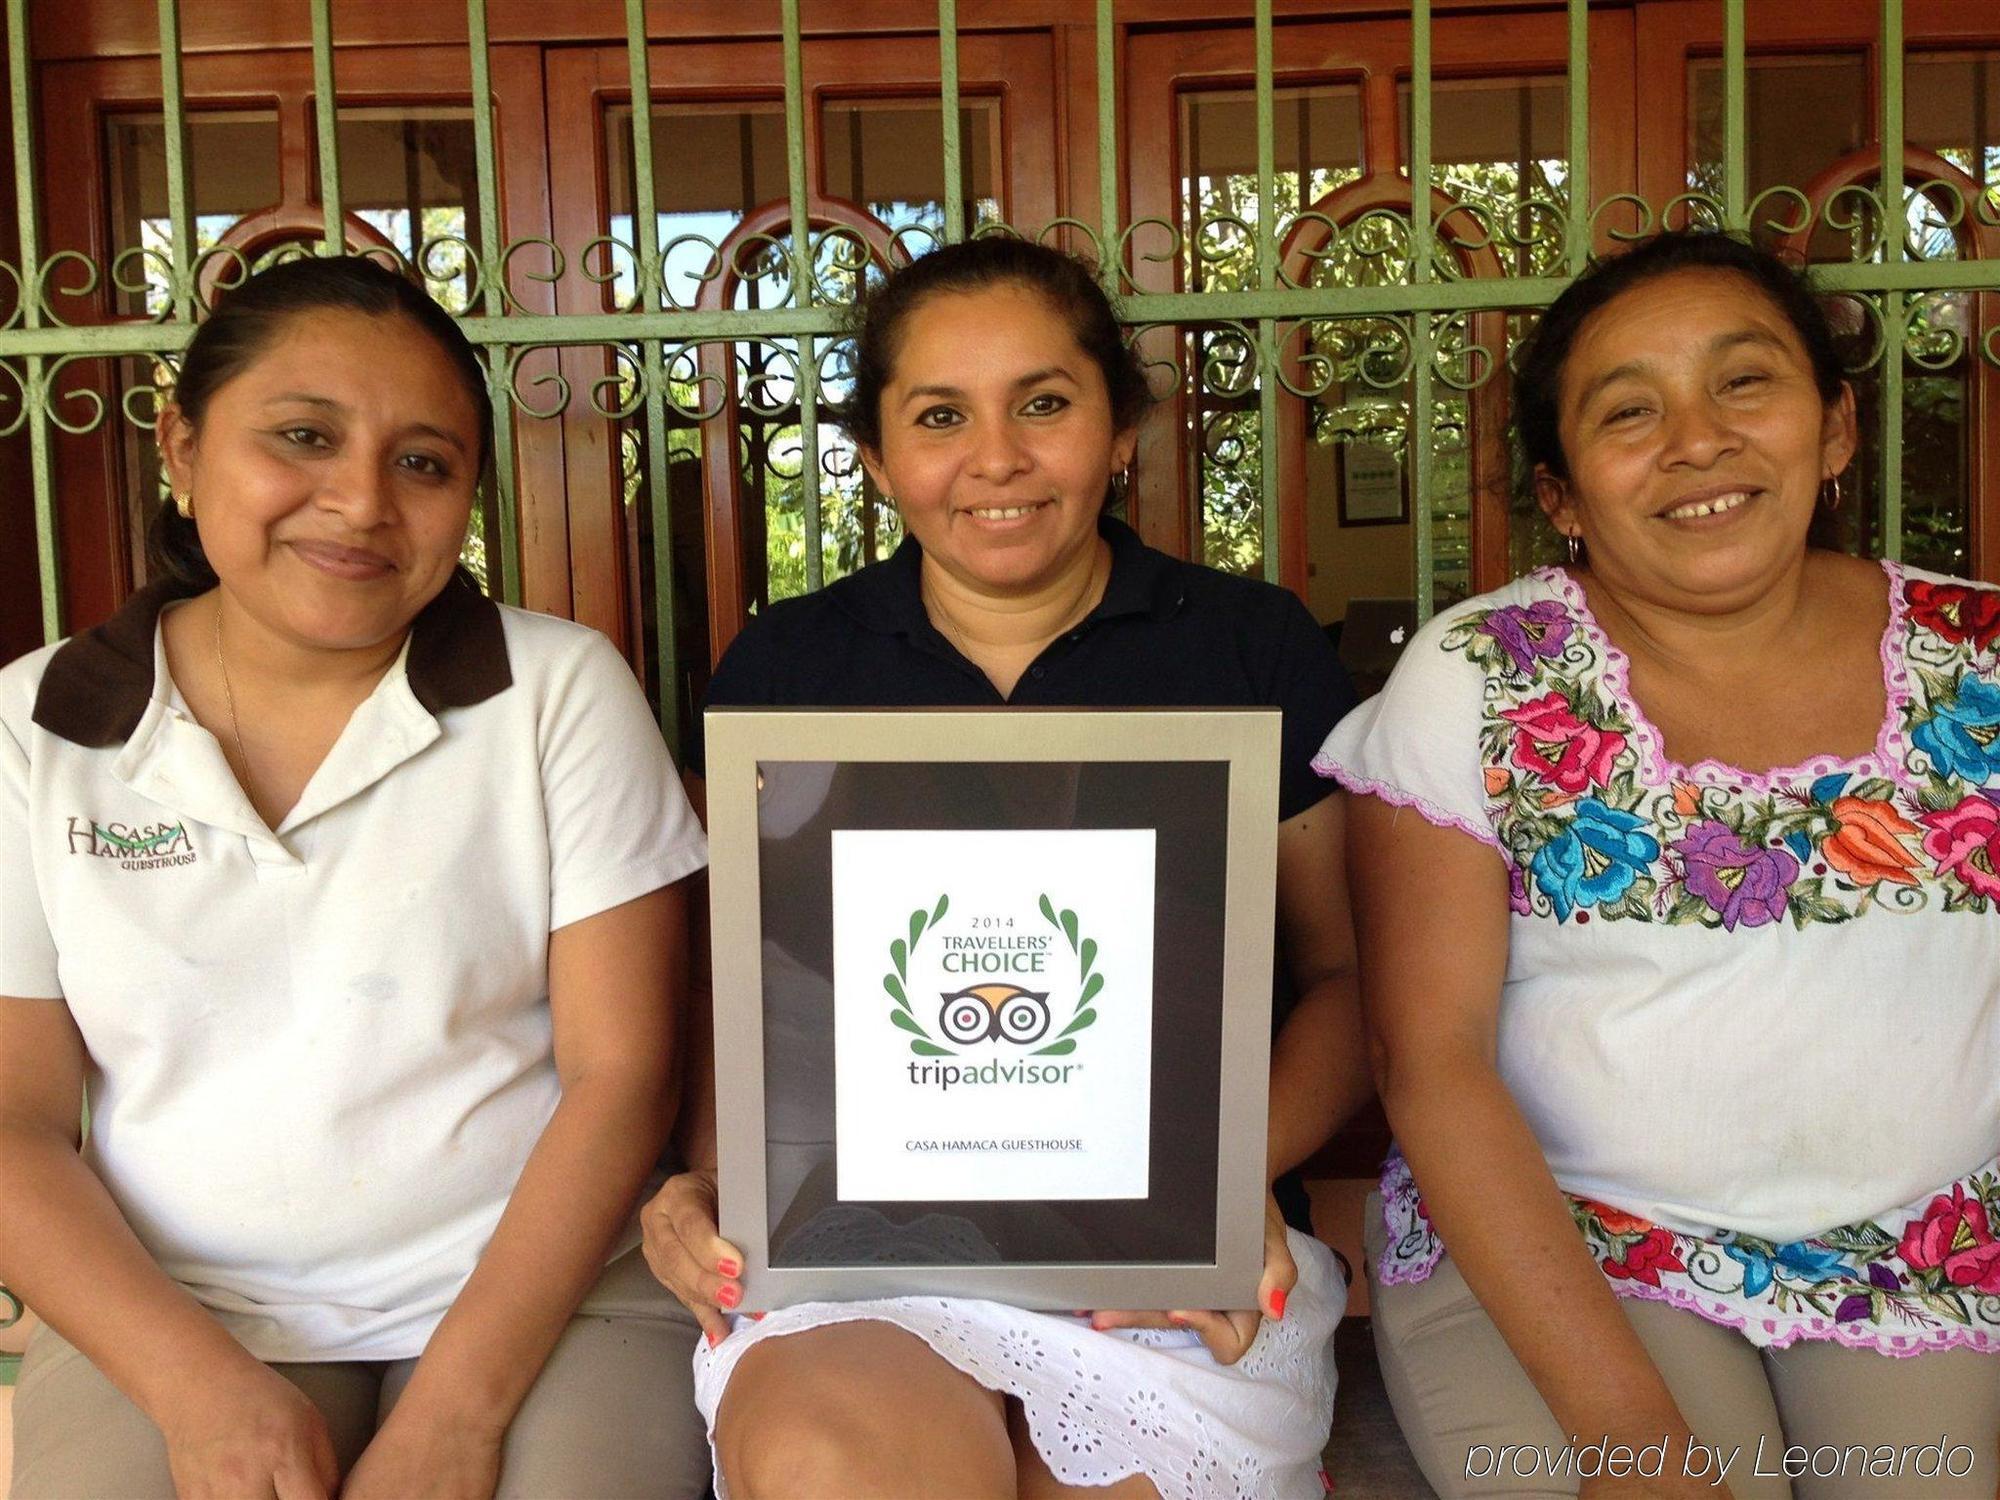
(405,128)
(873,163)
(1342,99)
(1813,116)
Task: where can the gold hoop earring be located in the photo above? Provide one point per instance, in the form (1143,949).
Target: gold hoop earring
(184,503)
(1832,503)
(1575,548)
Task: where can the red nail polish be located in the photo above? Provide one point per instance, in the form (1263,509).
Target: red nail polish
(1277,1303)
(730,1295)
(1177,1320)
(729,1268)
(713,1338)
(757,1317)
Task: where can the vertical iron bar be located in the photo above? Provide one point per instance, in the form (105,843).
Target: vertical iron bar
(180,213)
(324,110)
(806,381)
(1735,107)
(494,294)
(1421,335)
(1267,276)
(1579,136)
(1107,148)
(652,365)
(1895,305)
(34,396)
(1267,154)
(954,194)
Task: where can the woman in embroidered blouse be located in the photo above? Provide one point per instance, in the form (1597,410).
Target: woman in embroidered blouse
(1695,1087)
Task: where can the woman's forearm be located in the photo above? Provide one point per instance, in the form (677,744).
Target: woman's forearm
(1488,1191)
(1319,1073)
(577,1191)
(67,1252)
(694,1128)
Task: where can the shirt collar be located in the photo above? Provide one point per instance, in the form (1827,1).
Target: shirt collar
(889,598)
(97,685)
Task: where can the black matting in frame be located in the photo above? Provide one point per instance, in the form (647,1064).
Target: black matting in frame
(800,805)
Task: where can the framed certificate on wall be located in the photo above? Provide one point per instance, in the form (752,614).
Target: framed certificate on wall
(992,1001)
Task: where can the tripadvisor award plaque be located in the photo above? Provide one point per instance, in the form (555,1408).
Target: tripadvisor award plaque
(992,1001)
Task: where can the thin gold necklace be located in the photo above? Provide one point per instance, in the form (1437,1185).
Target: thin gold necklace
(933,603)
(934,607)
(229,694)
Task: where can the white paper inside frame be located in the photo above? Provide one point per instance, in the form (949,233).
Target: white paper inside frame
(993,1013)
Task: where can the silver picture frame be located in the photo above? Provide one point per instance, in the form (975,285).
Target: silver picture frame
(772,1048)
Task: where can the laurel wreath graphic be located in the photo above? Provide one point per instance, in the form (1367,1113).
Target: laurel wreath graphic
(1090,981)
(900,951)
(903,949)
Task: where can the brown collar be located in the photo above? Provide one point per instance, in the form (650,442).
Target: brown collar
(96,687)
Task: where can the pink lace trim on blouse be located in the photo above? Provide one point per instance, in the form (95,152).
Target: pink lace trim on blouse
(1885,760)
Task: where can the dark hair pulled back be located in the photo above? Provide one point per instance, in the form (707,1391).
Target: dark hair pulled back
(1068,283)
(1539,372)
(249,318)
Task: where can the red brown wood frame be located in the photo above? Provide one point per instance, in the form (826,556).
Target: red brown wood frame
(114,28)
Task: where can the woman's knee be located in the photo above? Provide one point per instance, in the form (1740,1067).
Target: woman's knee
(830,1411)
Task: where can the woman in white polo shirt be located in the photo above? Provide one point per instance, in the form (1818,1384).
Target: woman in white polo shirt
(353,898)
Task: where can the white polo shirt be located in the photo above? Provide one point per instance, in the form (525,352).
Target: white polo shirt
(319,1057)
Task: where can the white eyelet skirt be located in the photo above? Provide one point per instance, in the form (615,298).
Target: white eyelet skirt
(1104,1406)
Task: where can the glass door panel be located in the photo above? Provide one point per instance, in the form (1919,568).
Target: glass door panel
(1344,414)
(411,173)
(1316,147)
(887,155)
(232,158)
(233,171)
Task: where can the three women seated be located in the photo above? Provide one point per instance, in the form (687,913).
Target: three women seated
(359,902)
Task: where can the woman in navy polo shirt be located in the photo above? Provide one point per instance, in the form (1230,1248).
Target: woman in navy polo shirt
(996,401)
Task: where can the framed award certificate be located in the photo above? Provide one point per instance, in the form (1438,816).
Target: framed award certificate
(993,1001)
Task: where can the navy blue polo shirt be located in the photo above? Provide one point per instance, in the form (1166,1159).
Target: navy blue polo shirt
(1167,634)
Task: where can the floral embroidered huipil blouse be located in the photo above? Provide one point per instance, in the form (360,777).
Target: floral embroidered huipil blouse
(1753,1020)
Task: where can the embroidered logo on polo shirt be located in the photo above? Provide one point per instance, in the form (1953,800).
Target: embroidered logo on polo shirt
(136,846)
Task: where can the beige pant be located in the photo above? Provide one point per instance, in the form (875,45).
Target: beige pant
(612,1413)
(1461,1398)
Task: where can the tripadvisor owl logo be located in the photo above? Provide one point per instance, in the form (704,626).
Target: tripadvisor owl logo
(999,983)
